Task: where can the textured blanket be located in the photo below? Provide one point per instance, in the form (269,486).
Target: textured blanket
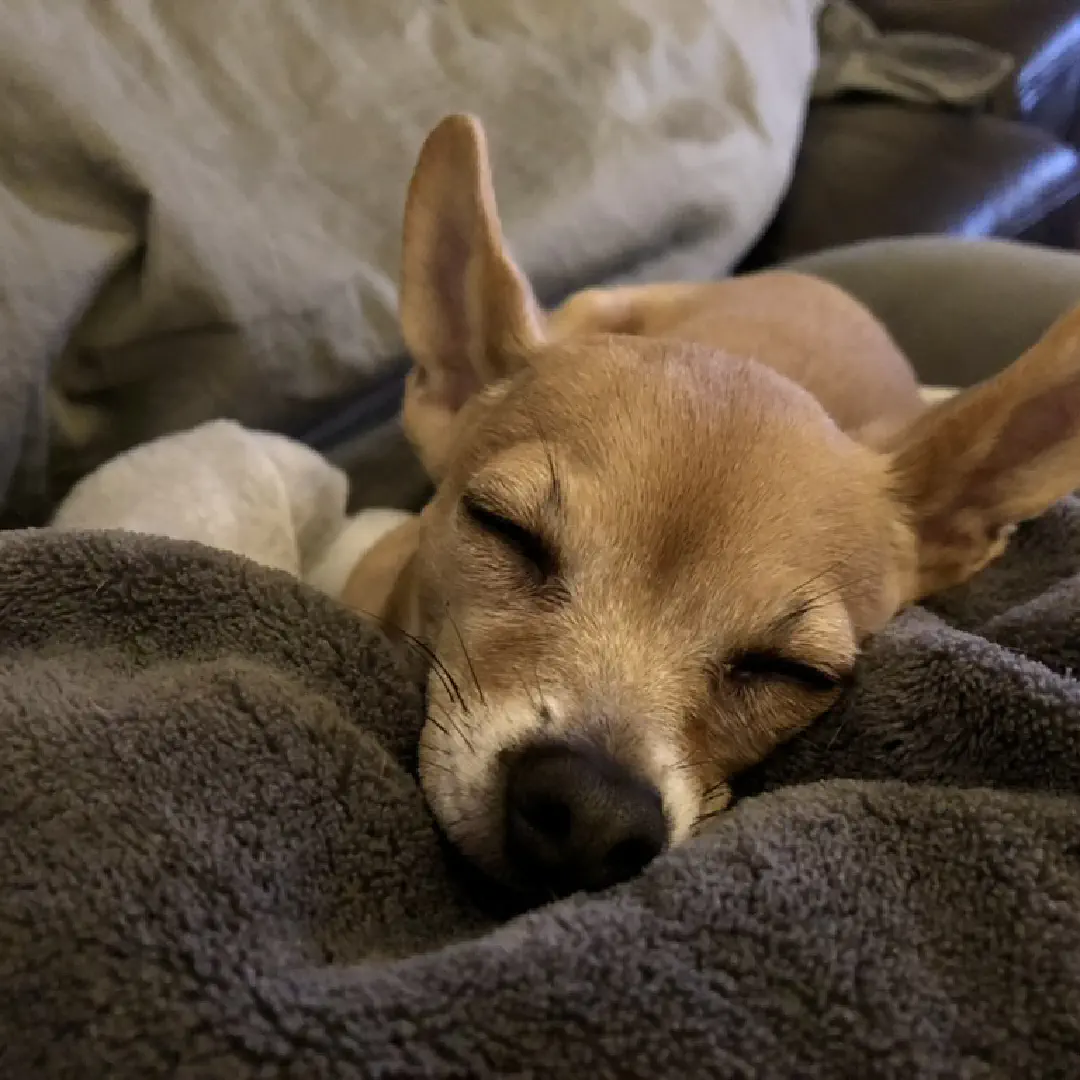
(215,860)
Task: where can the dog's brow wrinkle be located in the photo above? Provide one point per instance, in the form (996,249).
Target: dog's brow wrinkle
(555,492)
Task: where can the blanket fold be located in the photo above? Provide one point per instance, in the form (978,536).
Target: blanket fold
(215,860)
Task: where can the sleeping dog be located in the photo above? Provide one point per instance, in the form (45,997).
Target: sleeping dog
(665,519)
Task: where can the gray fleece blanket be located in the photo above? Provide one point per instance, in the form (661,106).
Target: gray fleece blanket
(215,860)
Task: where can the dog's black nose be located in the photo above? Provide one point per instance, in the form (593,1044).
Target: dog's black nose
(577,819)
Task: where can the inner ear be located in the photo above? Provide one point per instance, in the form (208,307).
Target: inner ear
(974,467)
(468,314)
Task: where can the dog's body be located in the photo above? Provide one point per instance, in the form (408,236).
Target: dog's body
(665,518)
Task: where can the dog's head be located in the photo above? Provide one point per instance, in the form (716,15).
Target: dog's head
(647,563)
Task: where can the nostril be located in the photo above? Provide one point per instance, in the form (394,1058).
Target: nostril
(546,814)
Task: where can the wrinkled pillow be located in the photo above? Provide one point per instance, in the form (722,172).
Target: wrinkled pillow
(200,203)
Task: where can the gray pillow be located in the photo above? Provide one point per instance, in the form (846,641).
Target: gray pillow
(200,203)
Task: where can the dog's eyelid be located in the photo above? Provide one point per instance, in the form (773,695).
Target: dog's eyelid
(528,542)
(771,663)
(494,510)
(795,641)
(483,502)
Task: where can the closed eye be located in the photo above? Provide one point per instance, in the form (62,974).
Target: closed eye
(527,544)
(766,666)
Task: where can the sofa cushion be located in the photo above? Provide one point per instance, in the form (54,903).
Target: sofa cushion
(200,204)
(873,169)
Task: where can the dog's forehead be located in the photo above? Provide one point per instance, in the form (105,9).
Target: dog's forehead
(676,464)
(623,379)
(660,421)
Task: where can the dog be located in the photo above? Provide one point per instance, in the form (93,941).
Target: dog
(664,520)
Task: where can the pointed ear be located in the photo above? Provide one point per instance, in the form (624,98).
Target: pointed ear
(468,315)
(972,468)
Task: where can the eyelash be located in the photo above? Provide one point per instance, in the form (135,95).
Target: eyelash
(753,667)
(531,548)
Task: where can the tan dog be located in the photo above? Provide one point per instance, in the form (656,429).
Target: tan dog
(665,519)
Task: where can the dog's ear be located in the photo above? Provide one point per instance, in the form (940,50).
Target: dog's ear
(972,468)
(468,315)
